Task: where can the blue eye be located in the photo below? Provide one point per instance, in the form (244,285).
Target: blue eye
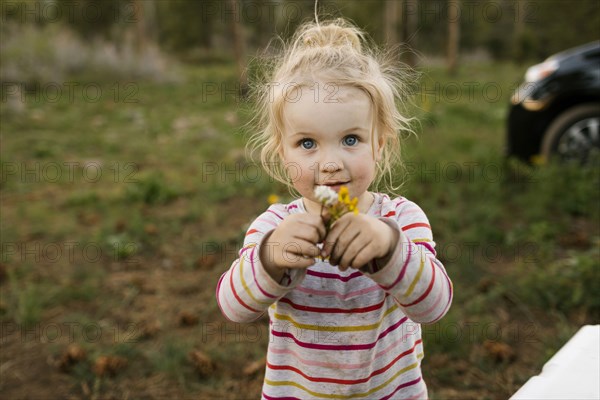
(350,140)
(307,144)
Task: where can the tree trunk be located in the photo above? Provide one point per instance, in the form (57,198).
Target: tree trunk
(239,46)
(520,46)
(411,13)
(206,26)
(453,35)
(267,22)
(390,20)
(140,26)
(151,28)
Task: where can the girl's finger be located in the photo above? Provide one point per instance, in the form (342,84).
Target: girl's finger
(321,231)
(307,231)
(302,247)
(297,261)
(316,229)
(333,235)
(352,248)
(341,244)
(359,253)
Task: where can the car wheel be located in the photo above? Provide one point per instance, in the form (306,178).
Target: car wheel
(574,134)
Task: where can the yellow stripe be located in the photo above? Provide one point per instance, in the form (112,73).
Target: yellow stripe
(415,280)
(341,396)
(420,240)
(336,328)
(246,288)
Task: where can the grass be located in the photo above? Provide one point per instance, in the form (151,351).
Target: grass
(152,198)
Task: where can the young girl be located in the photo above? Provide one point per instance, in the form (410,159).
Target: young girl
(345,304)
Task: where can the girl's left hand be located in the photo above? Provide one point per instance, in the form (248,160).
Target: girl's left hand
(356,239)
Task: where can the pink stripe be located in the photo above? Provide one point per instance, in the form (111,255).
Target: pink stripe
(343,346)
(442,313)
(218,290)
(233,311)
(422,396)
(332,310)
(334,276)
(399,204)
(373,374)
(438,263)
(266,221)
(245,249)
(277,215)
(402,386)
(254,275)
(427,246)
(427,291)
(403,271)
(336,294)
(279,398)
(237,296)
(292,206)
(337,365)
(414,211)
(435,305)
(447,304)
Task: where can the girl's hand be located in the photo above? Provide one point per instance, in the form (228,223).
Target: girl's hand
(356,239)
(293,244)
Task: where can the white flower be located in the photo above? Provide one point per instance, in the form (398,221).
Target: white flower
(326,195)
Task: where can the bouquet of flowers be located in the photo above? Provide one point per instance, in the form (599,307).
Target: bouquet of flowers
(336,204)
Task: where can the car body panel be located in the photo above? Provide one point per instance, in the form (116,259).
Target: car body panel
(534,105)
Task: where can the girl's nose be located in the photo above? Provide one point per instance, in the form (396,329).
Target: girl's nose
(331,162)
(331,166)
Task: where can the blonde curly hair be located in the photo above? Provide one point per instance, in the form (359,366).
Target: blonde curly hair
(338,53)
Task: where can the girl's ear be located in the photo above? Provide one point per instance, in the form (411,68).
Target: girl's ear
(380,146)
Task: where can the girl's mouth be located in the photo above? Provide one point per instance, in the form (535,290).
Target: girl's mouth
(336,185)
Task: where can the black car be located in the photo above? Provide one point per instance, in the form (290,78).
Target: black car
(556,111)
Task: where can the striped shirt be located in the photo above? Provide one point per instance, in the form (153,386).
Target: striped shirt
(343,335)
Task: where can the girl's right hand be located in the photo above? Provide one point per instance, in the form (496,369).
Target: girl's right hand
(293,244)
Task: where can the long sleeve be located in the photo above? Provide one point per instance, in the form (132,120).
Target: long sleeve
(413,276)
(246,290)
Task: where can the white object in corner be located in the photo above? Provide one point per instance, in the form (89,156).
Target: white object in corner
(572,373)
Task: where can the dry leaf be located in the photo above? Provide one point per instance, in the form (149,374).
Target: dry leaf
(255,367)
(71,356)
(188,319)
(151,229)
(149,329)
(88,218)
(120,225)
(499,351)
(201,362)
(109,365)
(207,261)
(485,284)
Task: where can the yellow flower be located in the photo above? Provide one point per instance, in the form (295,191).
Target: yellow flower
(343,195)
(336,209)
(353,205)
(273,198)
(336,204)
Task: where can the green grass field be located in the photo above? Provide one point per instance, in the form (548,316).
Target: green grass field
(123,202)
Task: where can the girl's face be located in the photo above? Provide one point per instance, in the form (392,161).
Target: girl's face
(327,141)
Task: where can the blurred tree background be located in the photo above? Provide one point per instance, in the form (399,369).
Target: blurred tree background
(207,31)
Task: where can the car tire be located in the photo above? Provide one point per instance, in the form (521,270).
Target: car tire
(570,127)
